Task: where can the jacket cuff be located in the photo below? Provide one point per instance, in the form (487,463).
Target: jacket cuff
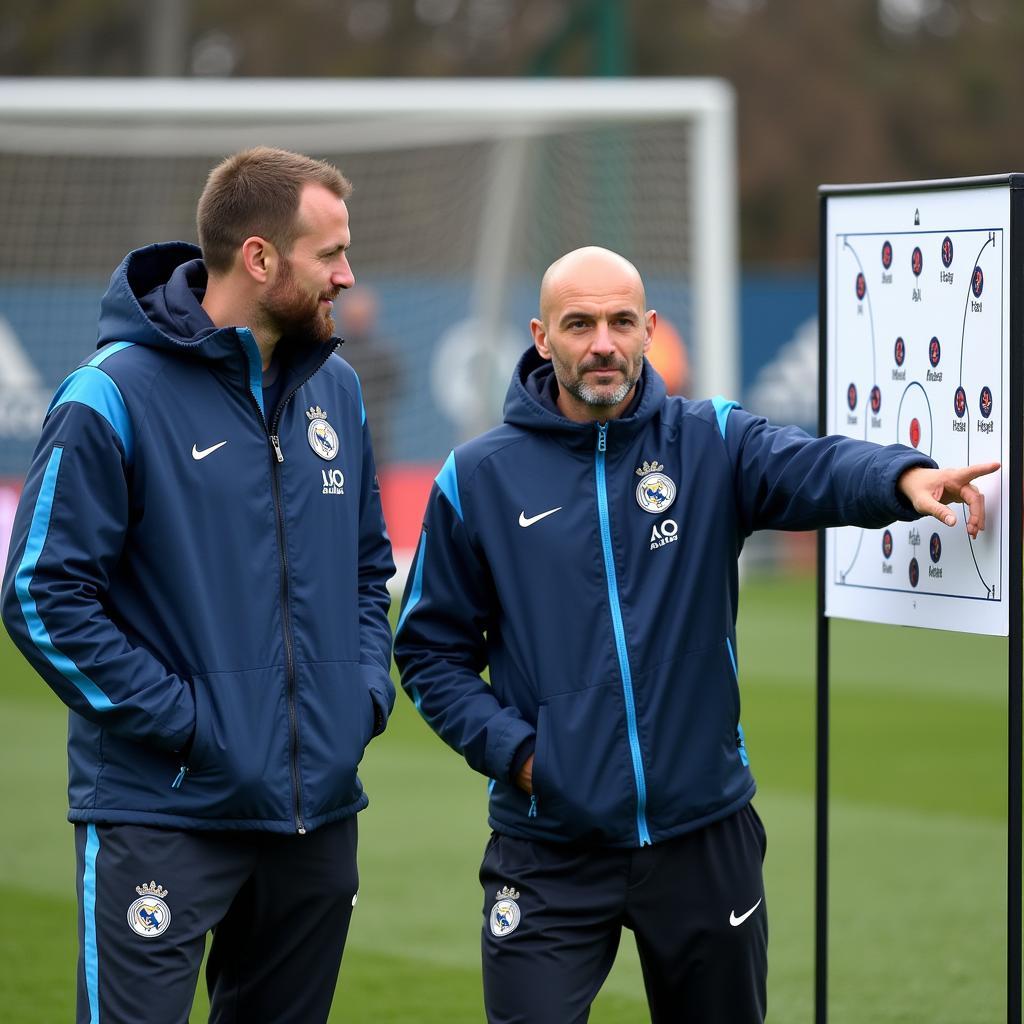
(382,694)
(523,754)
(180,740)
(901,507)
(506,748)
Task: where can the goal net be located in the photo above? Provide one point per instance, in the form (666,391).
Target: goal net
(465,191)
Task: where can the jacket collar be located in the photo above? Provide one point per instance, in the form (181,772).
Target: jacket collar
(531,403)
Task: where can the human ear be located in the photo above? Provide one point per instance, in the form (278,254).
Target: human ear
(540,338)
(650,322)
(258,258)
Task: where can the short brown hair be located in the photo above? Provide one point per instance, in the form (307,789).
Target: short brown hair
(257,192)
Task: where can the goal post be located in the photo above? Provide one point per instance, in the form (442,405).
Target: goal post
(465,191)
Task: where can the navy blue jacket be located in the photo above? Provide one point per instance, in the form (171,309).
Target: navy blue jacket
(594,570)
(215,618)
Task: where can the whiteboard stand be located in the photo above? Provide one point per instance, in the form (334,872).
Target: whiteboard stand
(916,214)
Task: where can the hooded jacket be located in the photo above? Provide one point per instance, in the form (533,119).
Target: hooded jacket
(593,569)
(203,581)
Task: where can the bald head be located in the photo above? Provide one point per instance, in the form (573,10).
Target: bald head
(590,269)
(595,330)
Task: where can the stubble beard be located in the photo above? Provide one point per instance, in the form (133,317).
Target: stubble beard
(598,396)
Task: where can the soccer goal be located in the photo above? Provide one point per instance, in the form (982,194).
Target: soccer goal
(465,191)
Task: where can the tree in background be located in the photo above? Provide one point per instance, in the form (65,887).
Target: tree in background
(828,90)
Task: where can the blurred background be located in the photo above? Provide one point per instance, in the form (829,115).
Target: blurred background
(454,219)
(454,223)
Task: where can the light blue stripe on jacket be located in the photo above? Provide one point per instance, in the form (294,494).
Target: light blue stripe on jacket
(38,530)
(90,386)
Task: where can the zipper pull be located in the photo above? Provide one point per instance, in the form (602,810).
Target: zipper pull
(182,772)
(533,806)
(602,437)
(276,442)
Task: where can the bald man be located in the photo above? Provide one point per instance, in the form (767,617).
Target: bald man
(585,551)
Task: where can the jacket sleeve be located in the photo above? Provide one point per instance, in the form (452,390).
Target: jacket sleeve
(69,532)
(785,479)
(376,567)
(440,643)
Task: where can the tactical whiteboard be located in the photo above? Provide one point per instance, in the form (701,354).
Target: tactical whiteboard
(916,338)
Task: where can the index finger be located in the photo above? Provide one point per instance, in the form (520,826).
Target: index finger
(979,469)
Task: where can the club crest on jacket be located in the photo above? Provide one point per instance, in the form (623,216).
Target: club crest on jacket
(656,491)
(322,437)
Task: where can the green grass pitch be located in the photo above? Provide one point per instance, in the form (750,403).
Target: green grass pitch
(918,839)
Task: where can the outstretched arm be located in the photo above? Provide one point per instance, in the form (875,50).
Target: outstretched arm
(931,490)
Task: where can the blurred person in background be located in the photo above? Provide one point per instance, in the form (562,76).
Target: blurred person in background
(373,358)
(586,553)
(669,357)
(199,569)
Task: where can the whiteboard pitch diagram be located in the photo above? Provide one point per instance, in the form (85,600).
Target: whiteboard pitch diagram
(917,339)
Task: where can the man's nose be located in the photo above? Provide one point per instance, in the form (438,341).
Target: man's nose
(602,343)
(343,276)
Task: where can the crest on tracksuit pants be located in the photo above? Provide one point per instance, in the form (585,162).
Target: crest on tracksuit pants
(149,915)
(505,914)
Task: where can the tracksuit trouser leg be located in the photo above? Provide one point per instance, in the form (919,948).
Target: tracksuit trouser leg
(279,907)
(553,915)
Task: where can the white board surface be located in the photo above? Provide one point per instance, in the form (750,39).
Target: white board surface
(917,339)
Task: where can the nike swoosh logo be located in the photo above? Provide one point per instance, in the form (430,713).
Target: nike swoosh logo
(737,921)
(523,521)
(197,454)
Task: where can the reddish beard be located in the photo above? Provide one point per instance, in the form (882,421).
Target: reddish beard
(294,311)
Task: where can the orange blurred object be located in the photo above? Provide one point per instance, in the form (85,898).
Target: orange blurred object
(669,357)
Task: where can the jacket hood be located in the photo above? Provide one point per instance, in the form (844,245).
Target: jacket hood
(155,299)
(532,394)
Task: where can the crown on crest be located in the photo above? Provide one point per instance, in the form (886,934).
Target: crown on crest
(316,413)
(151,889)
(505,893)
(650,467)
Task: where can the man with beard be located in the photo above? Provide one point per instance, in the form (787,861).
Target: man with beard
(198,568)
(586,552)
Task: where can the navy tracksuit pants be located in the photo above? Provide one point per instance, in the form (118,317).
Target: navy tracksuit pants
(279,907)
(553,915)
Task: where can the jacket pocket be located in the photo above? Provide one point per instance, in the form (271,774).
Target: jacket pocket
(582,774)
(238,764)
(335,719)
(688,714)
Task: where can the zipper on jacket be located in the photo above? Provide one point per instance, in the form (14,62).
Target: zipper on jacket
(289,652)
(275,476)
(620,635)
(180,777)
(286,622)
